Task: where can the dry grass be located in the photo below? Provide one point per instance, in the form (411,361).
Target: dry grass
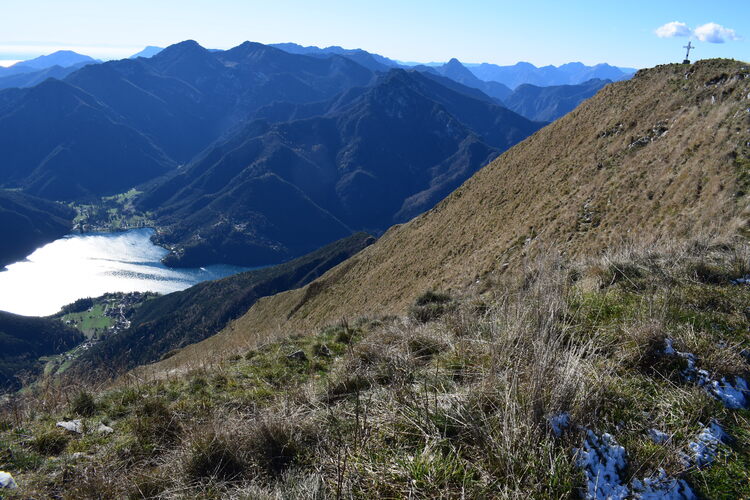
(457,407)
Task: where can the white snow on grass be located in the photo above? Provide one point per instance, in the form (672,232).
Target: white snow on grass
(734,394)
(603,460)
(658,436)
(559,423)
(706,445)
(662,487)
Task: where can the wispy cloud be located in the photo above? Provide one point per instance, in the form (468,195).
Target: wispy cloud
(675,28)
(709,32)
(714,33)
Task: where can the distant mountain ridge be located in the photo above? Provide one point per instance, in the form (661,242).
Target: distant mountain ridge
(567,74)
(148,51)
(61,58)
(158,111)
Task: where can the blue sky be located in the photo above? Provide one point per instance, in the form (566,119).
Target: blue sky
(502,32)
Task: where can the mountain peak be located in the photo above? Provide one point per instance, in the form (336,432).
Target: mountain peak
(148,51)
(62,58)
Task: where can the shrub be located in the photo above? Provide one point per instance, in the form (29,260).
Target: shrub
(50,442)
(155,425)
(83,404)
(430,306)
(214,457)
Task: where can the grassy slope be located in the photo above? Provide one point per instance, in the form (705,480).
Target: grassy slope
(453,408)
(577,186)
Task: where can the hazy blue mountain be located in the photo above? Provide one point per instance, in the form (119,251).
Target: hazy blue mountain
(567,74)
(149,51)
(369,60)
(276,190)
(32,78)
(456,71)
(550,103)
(27,222)
(63,58)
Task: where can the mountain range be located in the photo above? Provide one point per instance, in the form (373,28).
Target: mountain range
(567,74)
(368,158)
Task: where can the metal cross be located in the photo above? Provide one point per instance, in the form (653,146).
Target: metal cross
(688,47)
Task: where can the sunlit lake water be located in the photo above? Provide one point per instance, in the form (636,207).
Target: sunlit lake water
(89,265)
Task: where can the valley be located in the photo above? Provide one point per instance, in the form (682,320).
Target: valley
(285,271)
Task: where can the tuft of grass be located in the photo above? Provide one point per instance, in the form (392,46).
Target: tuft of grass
(213,457)
(50,442)
(84,404)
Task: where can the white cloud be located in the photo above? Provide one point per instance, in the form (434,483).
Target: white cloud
(714,33)
(675,28)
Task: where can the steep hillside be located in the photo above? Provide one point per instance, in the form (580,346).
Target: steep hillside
(366,159)
(664,155)
(23,340)
(27,223)
(178,319)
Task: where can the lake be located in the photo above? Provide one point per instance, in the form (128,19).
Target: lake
(89,265)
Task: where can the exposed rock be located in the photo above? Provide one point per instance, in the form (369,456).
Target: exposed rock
(75,426)
(298,355)
(7,482)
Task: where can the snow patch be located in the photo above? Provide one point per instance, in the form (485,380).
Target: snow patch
(662,487)
(706,445)
(72,426)
(603,460)
(559,423)
(734,394)
(658,436)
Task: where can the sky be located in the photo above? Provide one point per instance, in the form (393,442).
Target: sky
(631,33)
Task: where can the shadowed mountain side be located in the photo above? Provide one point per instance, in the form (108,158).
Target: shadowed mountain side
(27,223)
(24,339)
(61,143)
(547,104)
(374,157)
(181,318)
(664,155)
